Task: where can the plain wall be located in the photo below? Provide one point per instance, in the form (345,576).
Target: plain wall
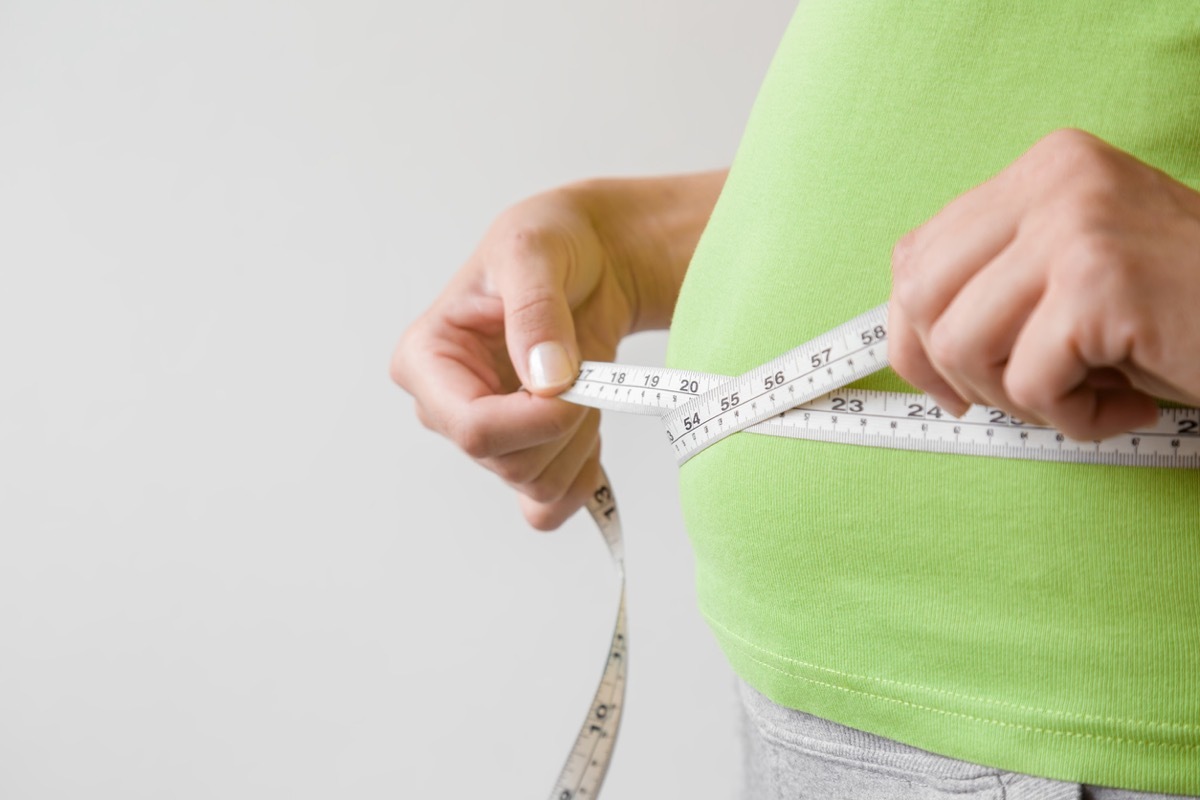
(232,564)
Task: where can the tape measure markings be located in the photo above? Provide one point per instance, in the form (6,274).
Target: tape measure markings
(808,371)
(587,763)
(810,379)
(1079,453)
(1166,416)
(632,393)
(704,408)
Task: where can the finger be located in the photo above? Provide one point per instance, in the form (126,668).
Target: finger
(495,425)
(556,479)
(908,359)
(931,264)
(528,466)
(1047,375)
(548,516)
(971,342)
(538,326)
(455,401)
(522,466)
(449,356)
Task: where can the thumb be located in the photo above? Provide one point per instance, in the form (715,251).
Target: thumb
(538,327)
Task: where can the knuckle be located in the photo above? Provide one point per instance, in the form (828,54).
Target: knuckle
(1026,392)
(1068,146)
(1125,331)
(470,437)
(543,517)
(423,416)
(1092,259)
(902,251)
(947,350)
(398,368)
(1067,140)
(909,292)
(1082,161)
(1062,157)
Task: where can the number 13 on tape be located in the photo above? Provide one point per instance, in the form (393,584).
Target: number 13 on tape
(801,395)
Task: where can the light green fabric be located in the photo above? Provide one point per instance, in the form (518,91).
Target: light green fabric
(1042,618)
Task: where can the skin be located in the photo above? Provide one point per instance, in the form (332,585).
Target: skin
(583,266)
(1064,290)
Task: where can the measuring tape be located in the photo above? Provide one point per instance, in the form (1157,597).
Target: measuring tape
(588,762)
(801,394)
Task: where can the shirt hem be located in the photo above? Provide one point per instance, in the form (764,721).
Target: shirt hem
(1140,755)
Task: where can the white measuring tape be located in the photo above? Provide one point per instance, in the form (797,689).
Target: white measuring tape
(800,394)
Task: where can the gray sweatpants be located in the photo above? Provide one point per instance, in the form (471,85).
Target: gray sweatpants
(790,755)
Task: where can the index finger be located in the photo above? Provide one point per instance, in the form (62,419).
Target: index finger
(1048,374)
(459,402)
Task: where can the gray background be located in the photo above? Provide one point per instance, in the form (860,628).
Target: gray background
(231,562)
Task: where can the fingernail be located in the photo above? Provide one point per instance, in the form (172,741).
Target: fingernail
(550,366)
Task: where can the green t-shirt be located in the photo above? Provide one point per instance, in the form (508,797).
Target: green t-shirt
(1037,617)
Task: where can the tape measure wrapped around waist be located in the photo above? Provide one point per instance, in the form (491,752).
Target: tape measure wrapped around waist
(801,394)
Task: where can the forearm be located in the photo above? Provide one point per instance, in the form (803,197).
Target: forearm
(650,227)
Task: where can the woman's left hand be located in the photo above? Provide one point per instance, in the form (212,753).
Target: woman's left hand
(1066,291)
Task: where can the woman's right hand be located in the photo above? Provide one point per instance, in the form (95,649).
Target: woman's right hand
(558,278)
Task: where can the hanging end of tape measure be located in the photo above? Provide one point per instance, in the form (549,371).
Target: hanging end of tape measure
(602,505)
